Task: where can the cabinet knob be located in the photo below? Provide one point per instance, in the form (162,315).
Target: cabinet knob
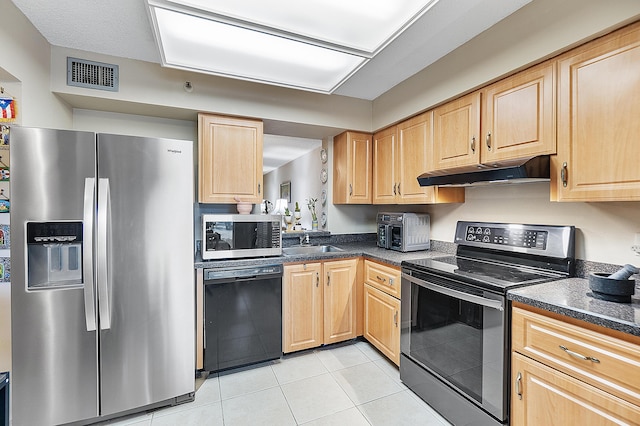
(399,193)
(473,144)
(350,189)
(488,140)
(328,280)
(395,318)
(317,279)
(394,189)
(258,188)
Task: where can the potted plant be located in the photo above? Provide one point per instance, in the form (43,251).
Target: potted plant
(296,212)
(287,218)
(311,205)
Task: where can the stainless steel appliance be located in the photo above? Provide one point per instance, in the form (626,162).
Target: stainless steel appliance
(455,319)
(231,236)
(242,315)
(102,291)
(404,231)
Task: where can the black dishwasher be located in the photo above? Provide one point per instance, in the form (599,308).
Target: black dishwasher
(242,316)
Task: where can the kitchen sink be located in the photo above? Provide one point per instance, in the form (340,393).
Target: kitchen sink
(295,250)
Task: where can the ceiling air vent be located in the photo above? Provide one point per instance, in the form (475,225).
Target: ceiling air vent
(92,75)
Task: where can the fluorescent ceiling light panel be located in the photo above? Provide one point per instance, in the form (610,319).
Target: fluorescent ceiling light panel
(364,25)
(309,45)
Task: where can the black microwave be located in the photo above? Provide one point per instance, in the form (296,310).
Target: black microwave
(233,236)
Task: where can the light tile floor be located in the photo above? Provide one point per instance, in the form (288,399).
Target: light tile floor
(347,384)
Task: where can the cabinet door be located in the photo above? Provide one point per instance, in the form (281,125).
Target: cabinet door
(541,395)
(381,322)
(598,126)
(519,116)
(456,136)
(340,300)
(229,159)
(302,306)
(414,140)
(352,162)
(384,167)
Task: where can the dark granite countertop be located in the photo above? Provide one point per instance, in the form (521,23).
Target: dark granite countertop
(366,249)
(571,297)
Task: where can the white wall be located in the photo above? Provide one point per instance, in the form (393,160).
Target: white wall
(605,231)
(26,56)
(148,89)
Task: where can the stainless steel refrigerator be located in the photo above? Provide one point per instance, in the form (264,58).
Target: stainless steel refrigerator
(102,289)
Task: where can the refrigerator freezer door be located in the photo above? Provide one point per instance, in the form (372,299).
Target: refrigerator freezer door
(148,353)
(54,364)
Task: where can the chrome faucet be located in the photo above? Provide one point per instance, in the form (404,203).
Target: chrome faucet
(304,239)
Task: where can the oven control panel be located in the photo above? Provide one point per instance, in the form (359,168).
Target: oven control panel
(545,240)
(528,238)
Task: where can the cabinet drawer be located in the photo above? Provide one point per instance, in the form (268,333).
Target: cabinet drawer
(382,277)
(603,361)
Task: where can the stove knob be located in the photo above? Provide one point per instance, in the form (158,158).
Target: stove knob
(471,237)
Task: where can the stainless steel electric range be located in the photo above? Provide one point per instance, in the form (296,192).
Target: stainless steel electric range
(455,320)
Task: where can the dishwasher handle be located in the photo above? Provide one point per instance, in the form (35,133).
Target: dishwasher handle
(219,276)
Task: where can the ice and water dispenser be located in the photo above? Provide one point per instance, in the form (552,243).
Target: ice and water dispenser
(54,254)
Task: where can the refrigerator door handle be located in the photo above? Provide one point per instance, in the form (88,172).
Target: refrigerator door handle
(103,258)
(87,255)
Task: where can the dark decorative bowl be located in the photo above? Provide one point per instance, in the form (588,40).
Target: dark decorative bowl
(613,290)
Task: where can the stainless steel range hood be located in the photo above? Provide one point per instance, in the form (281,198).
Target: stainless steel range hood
(535,169)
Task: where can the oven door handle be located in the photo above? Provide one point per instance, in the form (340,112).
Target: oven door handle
(489,303)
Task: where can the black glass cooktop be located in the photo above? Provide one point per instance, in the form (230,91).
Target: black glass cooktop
(499,276)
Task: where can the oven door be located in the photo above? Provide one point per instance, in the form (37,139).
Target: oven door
(457,333)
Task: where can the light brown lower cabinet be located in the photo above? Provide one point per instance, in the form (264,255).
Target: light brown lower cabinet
(566,374)
(382,322)
(544,396)
(319,304)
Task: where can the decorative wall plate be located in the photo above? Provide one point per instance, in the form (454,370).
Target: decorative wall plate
(323,197)
(323,155)
(324,176)
(323,220)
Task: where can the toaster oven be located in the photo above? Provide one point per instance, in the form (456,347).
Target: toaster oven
(404,231)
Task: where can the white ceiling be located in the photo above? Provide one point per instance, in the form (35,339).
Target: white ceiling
(122,28)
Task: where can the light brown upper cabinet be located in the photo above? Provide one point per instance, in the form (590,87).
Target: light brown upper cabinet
(510,120)
(229,159)
(352,168)
(456,133)
(518,116)
(400,155)
(599,120)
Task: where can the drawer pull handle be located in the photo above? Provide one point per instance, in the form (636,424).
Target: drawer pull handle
(317,279)
(579,356)
(519,385)
(395,318)
(380,279)
(563,174)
